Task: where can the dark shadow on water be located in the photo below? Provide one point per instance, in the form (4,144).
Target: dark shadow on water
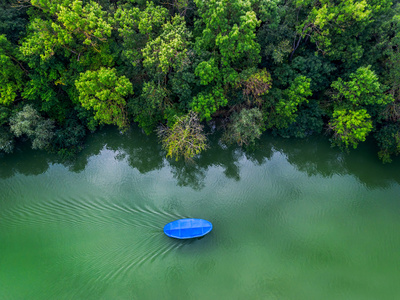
(193,173)
(25,161)
(315,156)
(188,174)
(193,246)
(142,152)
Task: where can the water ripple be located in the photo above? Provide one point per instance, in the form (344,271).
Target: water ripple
(84,210)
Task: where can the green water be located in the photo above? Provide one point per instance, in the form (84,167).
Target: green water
(292,220)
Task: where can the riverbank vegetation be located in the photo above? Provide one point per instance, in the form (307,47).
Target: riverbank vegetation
(294,68)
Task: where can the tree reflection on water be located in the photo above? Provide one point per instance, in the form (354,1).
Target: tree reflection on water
(313,156)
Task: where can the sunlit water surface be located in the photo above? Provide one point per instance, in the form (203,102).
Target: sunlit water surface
(293,219)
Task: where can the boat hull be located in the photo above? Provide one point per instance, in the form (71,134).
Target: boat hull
(187,228)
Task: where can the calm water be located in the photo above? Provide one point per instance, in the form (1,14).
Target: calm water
(292,220)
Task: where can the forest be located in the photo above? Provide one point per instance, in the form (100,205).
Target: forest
(177,68)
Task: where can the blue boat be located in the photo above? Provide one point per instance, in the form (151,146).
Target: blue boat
(187,228)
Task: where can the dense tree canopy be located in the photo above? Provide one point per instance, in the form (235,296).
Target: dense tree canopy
(293,67)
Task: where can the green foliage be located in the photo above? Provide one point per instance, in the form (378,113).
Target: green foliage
(185,138)
(388,138)
(277,38)
(30,123)
(390,43)
(147,21)
(208,102)
(230,26)
(308,121)
(6,137)
(149,107)
(5,114)
(280,110)
(207,71)
(334,26)
(13,20)
(6,140)
(88,22)
(181,84)
(50,6)
(362,89)
(268,11)
(11,75)
(239,41)
(47,88)
(42,40)
(64,38)
(257,85)
(169,50)
(78,62)
(104,92)
(68,139)
(228,30)
(317,68)
(350,127)
(77,27)
(245,127)
(137,27)
(297,93)
(279,51)
(350,122)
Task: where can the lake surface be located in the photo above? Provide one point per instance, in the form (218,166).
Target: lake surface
(292,219)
